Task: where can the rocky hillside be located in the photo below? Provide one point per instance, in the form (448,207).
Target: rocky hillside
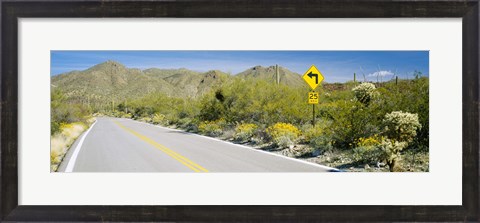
(287,77)
(112,81)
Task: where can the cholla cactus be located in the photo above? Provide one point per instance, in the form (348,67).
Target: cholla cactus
(391,152)
(400,129)
(365,92)
(401,126)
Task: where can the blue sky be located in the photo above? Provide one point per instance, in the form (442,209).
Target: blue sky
(336,66)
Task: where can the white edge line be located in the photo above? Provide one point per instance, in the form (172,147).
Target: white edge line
(73,159)
(243,146)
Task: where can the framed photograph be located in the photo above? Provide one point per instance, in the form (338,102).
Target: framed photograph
(339,111)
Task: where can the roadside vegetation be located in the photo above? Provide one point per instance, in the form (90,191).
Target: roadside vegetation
(359,126)
(67,122)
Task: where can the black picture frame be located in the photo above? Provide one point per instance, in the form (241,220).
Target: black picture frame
(466,9)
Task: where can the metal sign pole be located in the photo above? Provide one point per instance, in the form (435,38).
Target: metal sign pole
(313,120)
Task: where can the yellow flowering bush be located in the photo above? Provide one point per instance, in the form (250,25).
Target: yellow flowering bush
(283,134)
(374,140)
(245,131)
(211,128)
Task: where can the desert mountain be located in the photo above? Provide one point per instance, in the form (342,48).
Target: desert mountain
(286,76)
(112,81)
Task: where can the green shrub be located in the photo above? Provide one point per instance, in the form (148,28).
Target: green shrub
(54,127)
(319,137)
(120,114)
(350,121)
(65,111)
(368,150)
(322,143)
(284,141)
(159,119)
(188,124)
(143,111)
(245,131)
(255,101)
(310,132)
(211,107)
(127,115)
(145,119)
(283,134)
(367,154)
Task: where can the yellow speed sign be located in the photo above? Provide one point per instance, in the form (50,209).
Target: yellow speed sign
(313,97)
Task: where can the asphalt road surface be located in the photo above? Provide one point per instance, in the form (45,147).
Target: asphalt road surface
(123,145)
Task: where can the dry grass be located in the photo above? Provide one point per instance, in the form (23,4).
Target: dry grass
(61,142)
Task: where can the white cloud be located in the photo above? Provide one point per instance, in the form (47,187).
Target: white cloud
(381,73)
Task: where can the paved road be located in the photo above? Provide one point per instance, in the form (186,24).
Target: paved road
(123,145)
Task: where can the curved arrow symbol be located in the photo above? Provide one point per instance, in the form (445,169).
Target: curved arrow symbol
(311,75)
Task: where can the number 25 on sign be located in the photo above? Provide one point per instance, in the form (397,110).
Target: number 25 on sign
(313,97)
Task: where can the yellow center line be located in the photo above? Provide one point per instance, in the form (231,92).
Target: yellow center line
(185,161)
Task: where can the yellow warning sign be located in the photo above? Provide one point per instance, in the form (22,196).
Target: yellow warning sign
(313,77)
(313,97)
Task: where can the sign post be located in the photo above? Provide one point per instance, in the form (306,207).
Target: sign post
(313,77)
(313,99)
